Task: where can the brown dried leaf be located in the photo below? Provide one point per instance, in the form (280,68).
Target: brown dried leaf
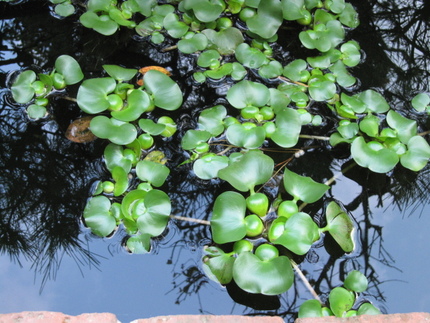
(78,130)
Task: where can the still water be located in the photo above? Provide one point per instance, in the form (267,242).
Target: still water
(55,264)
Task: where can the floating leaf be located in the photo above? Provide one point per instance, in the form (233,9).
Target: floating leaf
(271,277)
(138,102)
(227,222)
(248,93)
(120,176)
(152,172)
(421,101)
(120,73)
(249,56)
(153,215)
(418,154)
(340,226)
(303,188)
(197,42)
(373,155)
(69,68)
(288,127)
(310,308)
(246,135)
(103,24)
(324,36)
(267,20)
(356,281)
(405,128)
(271,70)
(375,102)
(299,233)
(321,89)
(174,27)
(297,70)
(218,266)
(166,93)
(253,168)
(92,94)
(98,217)
(193,137)
(368,309)
(208,166)
(205,10)
(120,133)
(35,111)
(211,120)
(22,89)
(226,40)
(341,301)
(139,244)
(114,156)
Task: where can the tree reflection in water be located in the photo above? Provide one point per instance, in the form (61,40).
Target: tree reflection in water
(45,179)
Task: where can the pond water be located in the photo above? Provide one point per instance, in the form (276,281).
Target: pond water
(50,261)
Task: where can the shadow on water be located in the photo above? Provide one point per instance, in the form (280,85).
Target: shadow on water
(45,179)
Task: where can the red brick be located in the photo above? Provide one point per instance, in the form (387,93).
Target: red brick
(389,318)
(57,317)
(211,319)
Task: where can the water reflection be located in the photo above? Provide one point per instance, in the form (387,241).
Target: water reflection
(45,179)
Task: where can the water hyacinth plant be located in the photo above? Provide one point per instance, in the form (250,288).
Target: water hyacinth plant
(270,103)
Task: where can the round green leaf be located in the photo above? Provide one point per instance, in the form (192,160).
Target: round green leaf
(249,56)
(102,24)
(253,168)
(421,101)
(405,128)
(373,155)
(69,68)
(368,309)
(193,137)
(113,156)
(321,89)
(98,217)
(120,133)
(211,120)
(35,111)
(370,125)
(218,266)
(208,57)
(375,102)
(138,102)
(226,40)
(120,73)
(297,70)
(248,93)
(174,27)
(64,9)
(288,127)
(255,276)
(166,93)
(120,176)
(208,166)
(241,136)
(227,223)
(310,308)
(92,94)
(267,20)
(152,172)
(152,219)
(22,91)
(139,244)
(417,155)
(356,281)
(197,42)
(341,301)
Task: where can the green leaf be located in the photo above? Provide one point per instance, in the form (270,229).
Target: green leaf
(92,94)
(353,102)
(211,120)
(421,101)
(197,42)
(373,155)
(293,9)
(119,73)
(310,308)
(98,217)
(102,24)
(35,111)
(246,137)
(255,276)
(297,71)
(324,37)
(343,77)
(303,188)
(340,226)
(227,222)
(218,266)
(152,172)
(288,127)
(153,216)
(193,137)
(69,68)
(174,27)
(208,57)
(151,127)
(22,91)
(138,102)
(120,133)
(64,9)
(368,309)
(205,10)
(350,53)
(356,281)
(249,56)
(248,93)
(341,301)
(225,41)
(405,128)
(375,102)
(267,20)
(208,166)
(349,17)
(113,157)
(139,244)
(418,154)
(370,125)
(166,93)
(251,169)
(300,232)
(321,89)
(120,176)
(271,70)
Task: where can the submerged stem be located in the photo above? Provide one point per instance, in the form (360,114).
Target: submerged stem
(305,280)
(314,137)
(183,218)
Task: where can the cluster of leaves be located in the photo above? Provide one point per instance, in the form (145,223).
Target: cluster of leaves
(115,111)
(254,239)
(342,300)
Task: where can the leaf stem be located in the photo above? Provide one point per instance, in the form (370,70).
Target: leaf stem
(305,280)
(167,49)
(182,218)
(69,98)
(287,80)
(314,137)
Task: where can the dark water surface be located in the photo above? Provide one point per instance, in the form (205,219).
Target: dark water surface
(49,261)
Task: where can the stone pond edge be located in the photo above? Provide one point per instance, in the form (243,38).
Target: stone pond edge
(58,317)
